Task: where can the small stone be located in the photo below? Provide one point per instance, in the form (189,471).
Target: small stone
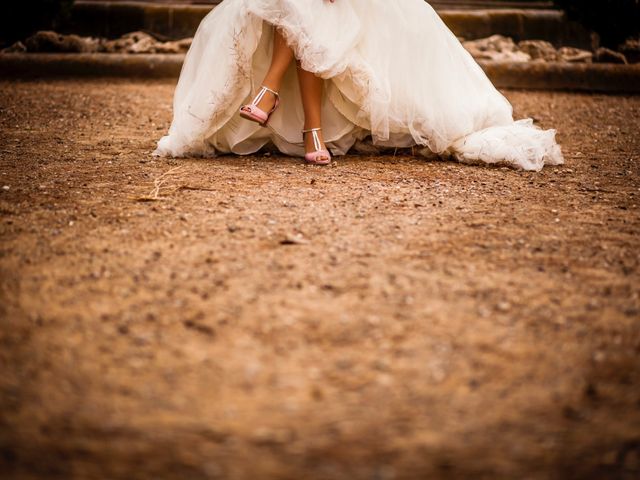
(17,47)
(6,187)
(295,239)
(503,306)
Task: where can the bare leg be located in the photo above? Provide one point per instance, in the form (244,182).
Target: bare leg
(280,61)
(311,90)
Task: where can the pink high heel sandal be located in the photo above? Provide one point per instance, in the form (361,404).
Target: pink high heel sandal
(314,157)
(255,114)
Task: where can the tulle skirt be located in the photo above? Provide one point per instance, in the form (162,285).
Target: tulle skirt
(393,71)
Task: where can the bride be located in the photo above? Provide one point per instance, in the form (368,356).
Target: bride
(313,77)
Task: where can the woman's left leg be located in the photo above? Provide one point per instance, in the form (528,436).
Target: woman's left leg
(311,91)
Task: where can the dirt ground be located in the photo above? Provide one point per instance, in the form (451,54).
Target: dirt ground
(384,318)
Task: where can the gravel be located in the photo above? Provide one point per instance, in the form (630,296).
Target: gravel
(255,317)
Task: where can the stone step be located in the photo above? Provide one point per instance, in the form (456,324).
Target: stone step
(115,18)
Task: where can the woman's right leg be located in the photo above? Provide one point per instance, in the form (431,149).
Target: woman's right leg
(280,61)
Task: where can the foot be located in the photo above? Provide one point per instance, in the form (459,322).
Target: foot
(267,103)
(261,107)
(310,146)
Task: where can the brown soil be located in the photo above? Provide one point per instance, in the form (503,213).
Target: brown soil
(384,318)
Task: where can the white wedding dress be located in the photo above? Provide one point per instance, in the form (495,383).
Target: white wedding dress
(392,70)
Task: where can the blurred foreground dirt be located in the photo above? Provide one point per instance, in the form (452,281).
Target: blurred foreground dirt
(384,318)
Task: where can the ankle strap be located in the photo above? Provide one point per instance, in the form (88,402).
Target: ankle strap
(269,90)
(316,139)
(260,95)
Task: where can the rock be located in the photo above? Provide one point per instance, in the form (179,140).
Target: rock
(52,42)
(631,50)
(294,239)
(575,55)
(503,306)
(145,45)
(496,47)
(605,55)
(141,42)
(539,50)
(17,47)
(134,42)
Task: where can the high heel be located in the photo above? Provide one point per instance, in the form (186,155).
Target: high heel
(255,114)
(314,157)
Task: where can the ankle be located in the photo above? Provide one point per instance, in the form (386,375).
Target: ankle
(267,97)
(313,138)
(275,86)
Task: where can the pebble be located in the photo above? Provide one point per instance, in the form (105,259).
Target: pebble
(296,239)
(503,306)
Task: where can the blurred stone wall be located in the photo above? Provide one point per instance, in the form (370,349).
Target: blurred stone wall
(435,3)
(114,18)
